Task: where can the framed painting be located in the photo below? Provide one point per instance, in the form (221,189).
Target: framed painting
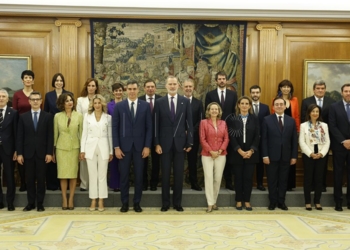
(11,67)
(334,73)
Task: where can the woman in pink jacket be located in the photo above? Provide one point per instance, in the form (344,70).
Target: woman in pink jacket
(214,140)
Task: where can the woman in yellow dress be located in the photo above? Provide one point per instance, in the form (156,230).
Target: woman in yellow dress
(68,127)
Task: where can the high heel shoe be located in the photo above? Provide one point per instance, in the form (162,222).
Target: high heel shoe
(209,209)
(92,209)
(318,207)
(101,209)
(239,207)
(308,207)
(215,207)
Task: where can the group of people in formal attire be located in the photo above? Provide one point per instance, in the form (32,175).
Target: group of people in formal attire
(236,135)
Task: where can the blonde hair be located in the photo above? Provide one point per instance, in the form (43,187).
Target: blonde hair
(103,102)
(207,115)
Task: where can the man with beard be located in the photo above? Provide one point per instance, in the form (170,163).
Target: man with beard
(227,100)
(260,110)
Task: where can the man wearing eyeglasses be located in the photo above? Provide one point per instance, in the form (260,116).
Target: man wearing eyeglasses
(35,149)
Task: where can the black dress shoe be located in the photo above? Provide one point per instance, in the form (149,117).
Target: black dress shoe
(230,186)
(28,207)
(83,189)
(23,189)
(324,190)
(289,189)
(116,190)
(41,208)
(145,188)
(164,208)
(153,188)
(261,188)
(1,204)
(348,206)
(283,206)
(137,208)
(124,208)
(10,207)
(338,207)
(272,206)
(196,187)
(178,208)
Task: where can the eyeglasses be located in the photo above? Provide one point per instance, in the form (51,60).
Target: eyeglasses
(35,99)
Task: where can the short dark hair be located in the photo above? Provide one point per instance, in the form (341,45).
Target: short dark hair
(278,98)
(132,81)
(84,92)
(35,93)
(283,83)
(118,85)
(62,99)
(319,82)
(254,87)
(149,80)
(54,78)
(309,110)
(27,73)
(220,73)
(345,85)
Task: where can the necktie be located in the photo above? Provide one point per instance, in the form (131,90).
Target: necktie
(320,102)
(35,120)
(280,123)
(172,109)
(151,103)
(348,111)
(1,116)
(256,109)
(222,99)
(132,111)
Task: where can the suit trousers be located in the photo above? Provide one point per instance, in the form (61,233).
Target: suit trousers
(177,159)
(313,176)
(97,168)
(9,173)
(341,158)
(277,178)
(213,170)
(155,160)
(84,175)
(114,174)
(35,179)
(243,181)
(192,158)
(52,182)
(124,166)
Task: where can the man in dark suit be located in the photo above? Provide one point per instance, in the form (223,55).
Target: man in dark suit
(173,136)
(279,151)
(197,116)
(339,129)
(8,130)
(150,97)
(35,149)
(324,102)
(132,140)
(261,110)
(227,100)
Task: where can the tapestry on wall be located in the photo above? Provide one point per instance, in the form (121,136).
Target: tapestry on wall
(124,50)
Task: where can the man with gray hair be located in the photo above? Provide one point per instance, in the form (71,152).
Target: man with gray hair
(8,129)
(324,102)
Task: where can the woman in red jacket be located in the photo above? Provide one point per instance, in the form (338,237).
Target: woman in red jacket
(214,140)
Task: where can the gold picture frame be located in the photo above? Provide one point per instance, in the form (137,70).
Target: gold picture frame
(335,73)
(11,67)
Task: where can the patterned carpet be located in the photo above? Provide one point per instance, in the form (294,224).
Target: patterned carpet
(192,229)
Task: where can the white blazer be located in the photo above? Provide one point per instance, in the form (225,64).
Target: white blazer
(83,105)
(304,140)
(97,134)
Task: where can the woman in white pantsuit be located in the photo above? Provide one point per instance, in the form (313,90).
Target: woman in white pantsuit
(96,148)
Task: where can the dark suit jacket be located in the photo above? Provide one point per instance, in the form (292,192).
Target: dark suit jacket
(235,129)
(197,116)
(143,98)
(50,102)
(8,131)
(327,102)
(263,111)
(30,141)
(230,101)
(167,132)
(127,133)
(339,126)
(279,145)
